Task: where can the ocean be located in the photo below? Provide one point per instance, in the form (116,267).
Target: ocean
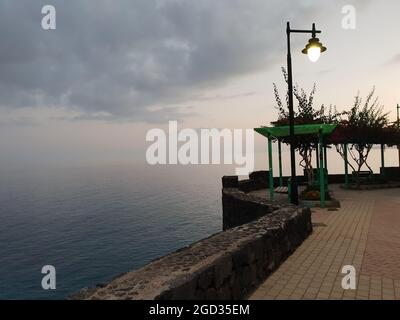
(92,224)
(95,223)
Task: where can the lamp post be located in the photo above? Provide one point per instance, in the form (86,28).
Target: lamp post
(313,49)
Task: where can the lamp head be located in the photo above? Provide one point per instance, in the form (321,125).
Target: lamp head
(313,49)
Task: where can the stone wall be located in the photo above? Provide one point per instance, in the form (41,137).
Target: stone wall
(257,180)
(239,208)
(227,265)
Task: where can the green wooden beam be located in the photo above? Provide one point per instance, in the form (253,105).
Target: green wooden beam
(326,163)
(306,129)
(280,163)
(321,171)
(346,167)
(271,173)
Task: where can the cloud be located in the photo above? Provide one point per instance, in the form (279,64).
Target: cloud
(115,60)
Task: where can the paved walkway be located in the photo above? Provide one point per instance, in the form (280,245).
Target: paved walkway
(364,233)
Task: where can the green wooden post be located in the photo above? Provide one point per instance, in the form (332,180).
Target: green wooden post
(280,163)
(317,156)
(382,160)
(271,174)
(321,170)
(346,167)
(326,163)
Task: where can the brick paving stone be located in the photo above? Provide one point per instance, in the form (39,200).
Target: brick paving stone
(364,232)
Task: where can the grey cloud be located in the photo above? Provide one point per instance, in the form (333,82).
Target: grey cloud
(22,121)
(112,60)
(223,97)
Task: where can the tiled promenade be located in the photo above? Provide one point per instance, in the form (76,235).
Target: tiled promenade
(364,233)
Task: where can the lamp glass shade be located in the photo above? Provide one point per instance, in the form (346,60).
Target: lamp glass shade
(313,49)
(314,53)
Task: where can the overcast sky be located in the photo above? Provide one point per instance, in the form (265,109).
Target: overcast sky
(88,91)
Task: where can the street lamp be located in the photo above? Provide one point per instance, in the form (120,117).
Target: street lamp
(313,49)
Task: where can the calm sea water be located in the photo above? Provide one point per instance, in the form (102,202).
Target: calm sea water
(93,224)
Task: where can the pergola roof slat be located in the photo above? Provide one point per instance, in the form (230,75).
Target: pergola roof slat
(307,129)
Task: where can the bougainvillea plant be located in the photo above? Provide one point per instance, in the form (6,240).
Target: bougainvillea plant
(360,128)
(305,114)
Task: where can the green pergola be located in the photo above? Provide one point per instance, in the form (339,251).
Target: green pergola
(322,131)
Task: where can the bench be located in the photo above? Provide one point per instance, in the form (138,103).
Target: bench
(362,175)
